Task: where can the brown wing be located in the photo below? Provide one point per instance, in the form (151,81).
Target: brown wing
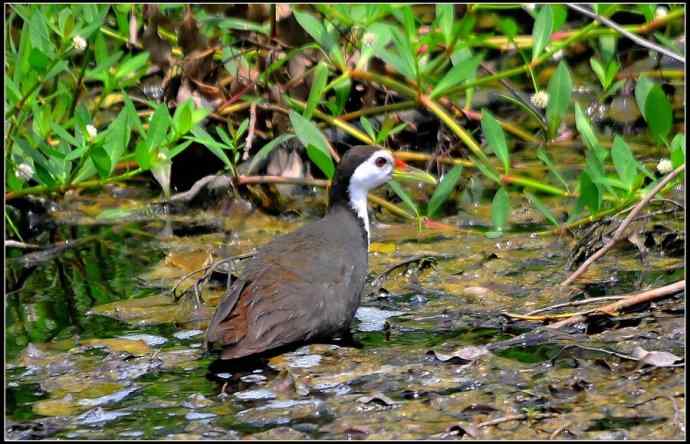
(227,326)
(294,289)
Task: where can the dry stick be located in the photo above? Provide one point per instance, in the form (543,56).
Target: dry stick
(629,301)
(635,38)
(246,180)
(252,128)
(619,232)
(575,303)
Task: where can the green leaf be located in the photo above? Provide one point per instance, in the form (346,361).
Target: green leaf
(500,209)
(132,65)
(204,138)
(522,105)
(642,88)
(648,10)
(486,170)
(318,32)
(323,161)
(342,93)
(374,40)
(402,194)
(403,60)
(463,70)
(182,119)
(678,150)
(599,71)
(508,27)
(367,127)
(116,141)
(309,134)
(225,137)
(63,135)
(658,113)
(443,190)
(158,127)
(317,86)
(38,60)
(607,46)
(132,116)
(544,157)
(445,16)
(265,150)
(243,25)
(101,160)
(611,71)
(587,133)
(624,161)
(560,91)
(495,138)
(55,70)
(589,193)
(560,14)
(543,209)
(543,26)
(179,148)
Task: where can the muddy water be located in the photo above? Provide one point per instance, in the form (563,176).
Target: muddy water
(98,349)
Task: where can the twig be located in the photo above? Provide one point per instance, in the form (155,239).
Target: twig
(574,303)
(191,193)
(558,431)
(619,232)
(628,301)
(250,133)
(23,245)
(207,270)
(635,38)
(417,258)
(247,180)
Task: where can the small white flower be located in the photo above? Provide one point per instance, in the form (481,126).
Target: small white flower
(79,43)
(540,99)
(529,7)
(369,39)
(664,166)
(161,156)
(558,55)
(24,171)
(661,12)
(91,131)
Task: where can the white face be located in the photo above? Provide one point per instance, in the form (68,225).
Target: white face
(374,172)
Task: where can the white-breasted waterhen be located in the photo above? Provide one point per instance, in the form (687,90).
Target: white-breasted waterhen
(306,285)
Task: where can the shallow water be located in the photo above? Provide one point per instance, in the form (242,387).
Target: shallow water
(98,349)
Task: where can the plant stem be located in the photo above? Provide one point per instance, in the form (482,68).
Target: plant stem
(531,183)
(334,121)
(526,67)
(61,189)
(399,106)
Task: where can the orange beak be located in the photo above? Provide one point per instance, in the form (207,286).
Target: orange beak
(403,171)
(400,165)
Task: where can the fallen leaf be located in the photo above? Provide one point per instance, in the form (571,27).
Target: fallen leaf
(464,355)
(655,358)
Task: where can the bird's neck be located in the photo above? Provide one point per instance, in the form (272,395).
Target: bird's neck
(352,202)
(358,203)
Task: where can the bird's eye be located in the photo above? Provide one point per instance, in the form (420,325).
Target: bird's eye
(381,161)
